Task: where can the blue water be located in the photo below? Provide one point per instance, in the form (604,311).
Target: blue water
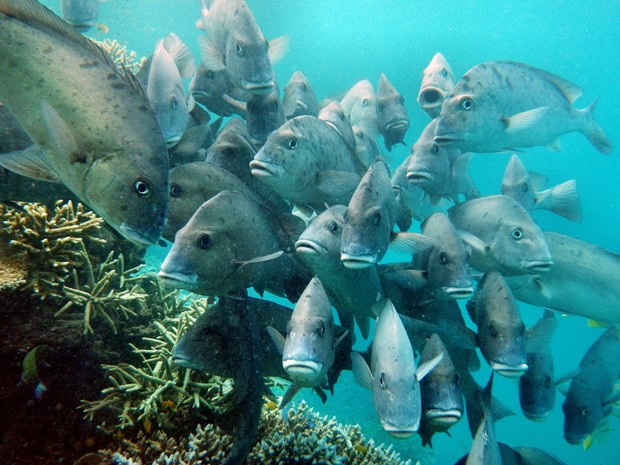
(336,43)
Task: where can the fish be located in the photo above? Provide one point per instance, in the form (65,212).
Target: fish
(299,98)
(441,172)
(193,184)
(537,385)
(307,162)
(484,448)
(232,243)
(354,291)
(217,92)
(165,86)
(526,187)
(393,376)
(366,147)
(501,333)
(234,42)
(503,105)
(508,454)
(360,106)
(591,392)
(391,113)
(309,348)
(103,142)
(81,14)
(502,236)
(369,219)
(437,83)
(535,456)
(333,115)
(264,115)
(581,282)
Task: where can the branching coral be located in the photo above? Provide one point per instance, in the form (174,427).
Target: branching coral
(124,58)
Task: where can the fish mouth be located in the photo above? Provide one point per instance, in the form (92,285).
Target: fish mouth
(137,237)
(357,262)
(446,140)
(538,417)
(442,418)
(305,246)
(419,177)
(256,87)
(265,169)
(400,433)
(185,362)
(575,439)
(397,125)
(178,280)
(82,26)
(302,370)
(458,292)
(509,371)
(431,97)
(173,140)
(536,266)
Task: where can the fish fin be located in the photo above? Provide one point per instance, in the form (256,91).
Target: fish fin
(361,371)
(321,393)
(555,145)
(30,162)
(593,132)
(292,225)
(544,291)
(539,181)
(192,140)
(210,55)
(61,136)
(474,242)
(410,279)
(571,91)
(525,120)
(564,379)
(261,259)
(289,394)
(305,210)
(181,54)
(425,368)
(499,410)
(540,334)
(363,323)
(278,48)
(243,106)
(341,338)
(289,104)
(410,242)
(337,183)
(460,165)
(562,200)
(277,338)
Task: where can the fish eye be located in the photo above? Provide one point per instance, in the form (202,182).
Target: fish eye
(585,411)
(517,234)
(382,381)
(547,382)
(292,143)
(443,258)
(322,330)
(524,187)
(204,241)
(175,190)
(360,134)
(142,187)
(492,329)
(209,74)
(456,379)
(434,148)
(239,48)
(444,72)
(333,227)
(467,103)
(376,220)
(303,86)
(175,104)
(365,102)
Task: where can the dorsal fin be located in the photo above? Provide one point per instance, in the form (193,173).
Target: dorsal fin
(569,90)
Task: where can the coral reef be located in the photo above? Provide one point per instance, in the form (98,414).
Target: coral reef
(125,59)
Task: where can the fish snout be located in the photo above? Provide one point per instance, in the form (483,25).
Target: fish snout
(420,177)
(178,280)
(305,246)
(509,371)
(458,292)
(358,262)
(400,431)
(302,371)
(258,87)
(441,418)
(142,238)
(536,416)
(262,166)
(431,98)
(537,266)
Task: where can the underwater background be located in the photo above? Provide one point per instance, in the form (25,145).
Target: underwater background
(337,43)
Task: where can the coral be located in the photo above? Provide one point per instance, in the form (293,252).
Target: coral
(13,269)
(304,437)
(125,59)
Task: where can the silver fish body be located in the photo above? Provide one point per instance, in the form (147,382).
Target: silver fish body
(299,98)
(437,83)
(360,106)
(391,113)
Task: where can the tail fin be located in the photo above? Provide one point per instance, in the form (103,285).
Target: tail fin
(593,132)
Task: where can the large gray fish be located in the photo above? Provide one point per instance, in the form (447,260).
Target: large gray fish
(391,113)
(393,376)
(264,115)
(582,281)
(299,98)
(501,105)
(537,385)
(591,392)
(309,164)
(360,106)
(502,236)
(366,146)
(526,187)
(232,243)
(437,83)
(81,14)
(501,333)
(103,142)
(355,290)
(193,184)
(216,91)
(333,114)
(235,43)
(369,219)
(440,171)
(309,349)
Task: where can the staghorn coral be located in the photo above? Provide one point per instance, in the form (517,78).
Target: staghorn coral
(304,438)
(125,59)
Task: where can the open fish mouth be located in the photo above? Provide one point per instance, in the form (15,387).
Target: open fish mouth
(431,97)
(309,247)
(441,417)
(178,280)
(302,370)
(509,371)
(458,292)
(254,87)
(419,177)
(357,262)
(536,416)
(536,266)
(265,169)
(137,237)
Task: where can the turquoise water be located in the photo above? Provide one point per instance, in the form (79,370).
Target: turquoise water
(336,43)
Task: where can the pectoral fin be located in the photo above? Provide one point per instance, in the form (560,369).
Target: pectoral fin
(278,48)
(525,121)
(277,338)
(426,367)
(337,183)
(61,136)
(361,371)
(30,162)
(211,57)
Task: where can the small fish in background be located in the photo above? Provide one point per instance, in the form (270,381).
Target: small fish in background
(30,372)
(592,391)
(81,14)
(537,385)
(366,146)
(526,187)
(391,113)
(216,91)
(441,172)
(299,98)
(360,106)
(502,236)
(393,376)
(333,115)
(502,105)
(264,115)
(437,83)
(501,333)
(235,43)
(171,62)
(309,348)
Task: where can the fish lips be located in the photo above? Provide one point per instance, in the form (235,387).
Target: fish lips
(458,292)
(442,418)
(574,438)
(138,237)
(420,177)
(358,262)
(302,371)
(265,169)
(178,280)
(400,433)
(260,88)
(536,266)
(536,416)
(305,246)
(431,97)
(509,371)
